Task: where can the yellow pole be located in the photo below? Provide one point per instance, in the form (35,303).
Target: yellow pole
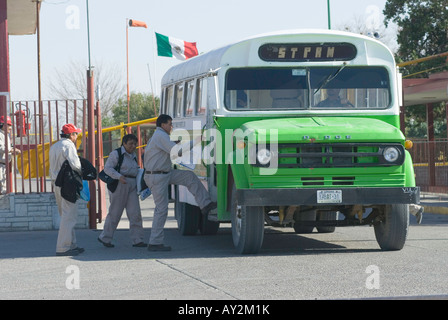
(122,132)
(440,55)
(132,124)
(125,125)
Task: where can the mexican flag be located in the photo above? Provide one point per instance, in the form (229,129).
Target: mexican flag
(175,48)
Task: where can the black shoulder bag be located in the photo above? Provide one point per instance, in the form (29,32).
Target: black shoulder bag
(111,182)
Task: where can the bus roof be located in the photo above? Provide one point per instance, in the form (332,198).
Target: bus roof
(212,60)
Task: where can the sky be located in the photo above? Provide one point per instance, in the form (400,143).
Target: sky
(209,23)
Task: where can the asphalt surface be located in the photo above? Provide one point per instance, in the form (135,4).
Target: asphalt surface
(207,267)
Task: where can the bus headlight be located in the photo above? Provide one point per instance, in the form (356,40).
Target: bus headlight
(263,156)
(391,154)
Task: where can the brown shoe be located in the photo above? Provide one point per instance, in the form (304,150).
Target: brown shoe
(106,244)
(71,252)
(140,245)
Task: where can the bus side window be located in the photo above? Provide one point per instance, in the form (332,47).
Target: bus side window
(201,101)
(163,98)
(178,100)
(210,83)
(168,105)
(190,99)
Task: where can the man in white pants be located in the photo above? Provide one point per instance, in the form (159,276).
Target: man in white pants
(65,149)
(159,174)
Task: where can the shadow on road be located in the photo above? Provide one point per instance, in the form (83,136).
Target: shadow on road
(277,242)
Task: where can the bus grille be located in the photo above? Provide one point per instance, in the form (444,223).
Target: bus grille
(334,155)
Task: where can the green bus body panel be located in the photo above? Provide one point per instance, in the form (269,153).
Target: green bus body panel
(359,129)
(409,169)
(314,129)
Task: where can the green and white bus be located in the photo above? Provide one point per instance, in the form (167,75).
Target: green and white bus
(299,128)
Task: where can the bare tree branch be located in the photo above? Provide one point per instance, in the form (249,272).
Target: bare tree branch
(71,83)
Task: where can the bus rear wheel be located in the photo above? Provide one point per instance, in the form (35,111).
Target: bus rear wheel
(247,226)
(187,216)
(392,231)
(208,227)
(326,216)
(309,216)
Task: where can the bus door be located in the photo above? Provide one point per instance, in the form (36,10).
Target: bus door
(209,94)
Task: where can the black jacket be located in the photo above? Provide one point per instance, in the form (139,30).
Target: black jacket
(88,170)
(70,181)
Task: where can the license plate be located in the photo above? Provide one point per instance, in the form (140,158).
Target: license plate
(329,196)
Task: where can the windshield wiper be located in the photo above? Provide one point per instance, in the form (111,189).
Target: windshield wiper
(330,77)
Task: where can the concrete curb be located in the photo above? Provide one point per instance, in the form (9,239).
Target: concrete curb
(435,210)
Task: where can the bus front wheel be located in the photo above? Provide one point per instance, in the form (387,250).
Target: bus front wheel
(247,226)
(392,231)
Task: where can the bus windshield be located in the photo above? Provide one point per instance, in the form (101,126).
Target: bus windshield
(307,88)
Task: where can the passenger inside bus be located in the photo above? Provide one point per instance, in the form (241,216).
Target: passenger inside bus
(241,99)
(333,100)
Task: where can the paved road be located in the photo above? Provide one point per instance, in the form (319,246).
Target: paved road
(346,264)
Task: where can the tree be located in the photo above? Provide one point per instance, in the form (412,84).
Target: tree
(423,31)
(416,122)
(141,106)
(71,83)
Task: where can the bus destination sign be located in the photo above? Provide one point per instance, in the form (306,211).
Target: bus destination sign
(296,52)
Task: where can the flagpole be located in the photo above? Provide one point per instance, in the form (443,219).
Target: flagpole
(127,66)
(152,89)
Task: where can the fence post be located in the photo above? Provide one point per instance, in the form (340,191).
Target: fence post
(431,144)
(91,144)
(100,165)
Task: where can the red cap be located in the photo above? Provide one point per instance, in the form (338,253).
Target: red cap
(70,128)
(8,120)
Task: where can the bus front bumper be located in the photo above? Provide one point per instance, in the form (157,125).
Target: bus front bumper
(328,196)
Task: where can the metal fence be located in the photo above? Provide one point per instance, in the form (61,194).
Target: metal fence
(430,160)
(35,126)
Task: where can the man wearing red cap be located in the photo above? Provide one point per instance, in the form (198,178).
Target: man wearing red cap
(5,129)
(65,149)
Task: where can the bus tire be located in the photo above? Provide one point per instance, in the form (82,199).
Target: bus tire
(304,216)
(247,226)
(326,216)
(187,217)
(392,231)
(208,227)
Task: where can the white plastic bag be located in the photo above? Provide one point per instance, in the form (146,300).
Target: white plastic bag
(142,189)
